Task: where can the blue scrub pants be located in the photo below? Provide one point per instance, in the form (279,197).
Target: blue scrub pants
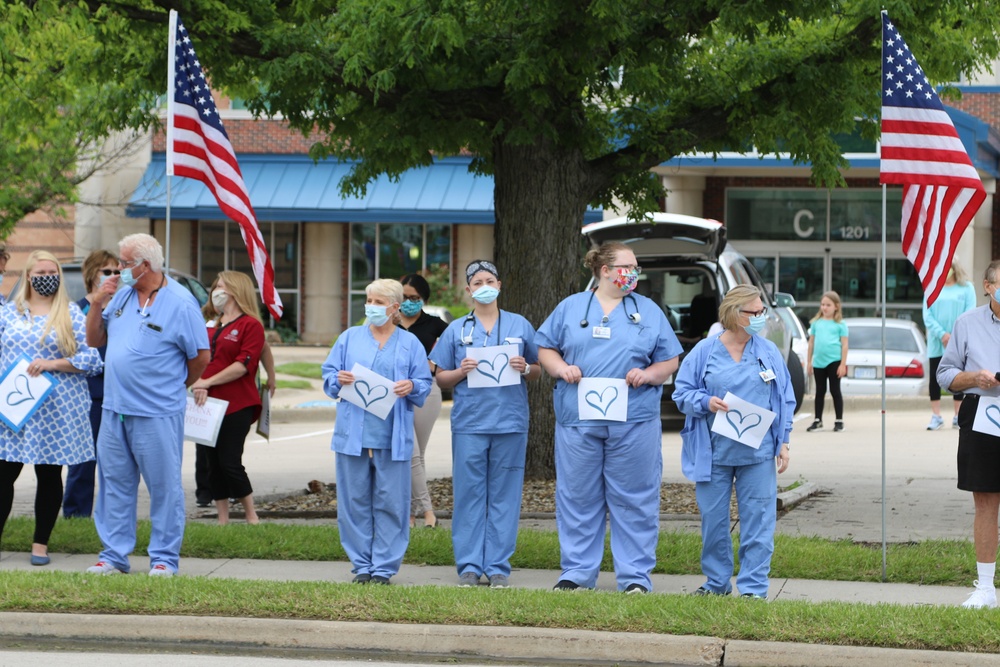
(78,500)
(373,510)
(127,448)
(616,469)
(756,498)
(488,479)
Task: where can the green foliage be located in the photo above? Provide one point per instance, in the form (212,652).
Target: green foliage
(306,369)
(443,291)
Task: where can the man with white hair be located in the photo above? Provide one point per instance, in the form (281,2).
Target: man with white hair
(157,347)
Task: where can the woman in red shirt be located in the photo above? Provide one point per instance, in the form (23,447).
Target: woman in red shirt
(236,342)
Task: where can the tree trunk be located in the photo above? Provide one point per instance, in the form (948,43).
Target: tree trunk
(539,203)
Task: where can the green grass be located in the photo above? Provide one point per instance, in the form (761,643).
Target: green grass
(886,625)
(293,384)
(304,369)
(931,562)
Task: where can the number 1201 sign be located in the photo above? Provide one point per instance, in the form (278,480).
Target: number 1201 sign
(854,233)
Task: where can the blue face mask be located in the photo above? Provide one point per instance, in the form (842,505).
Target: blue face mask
(756,325)
(376,314)
(128,279)
(411,308)
(486,294)
(996,295)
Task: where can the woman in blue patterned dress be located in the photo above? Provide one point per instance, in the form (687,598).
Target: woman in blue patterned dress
(41,323)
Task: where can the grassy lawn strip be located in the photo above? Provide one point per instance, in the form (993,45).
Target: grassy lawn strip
(950,628)
(931,562)
(306,369)
(293,384)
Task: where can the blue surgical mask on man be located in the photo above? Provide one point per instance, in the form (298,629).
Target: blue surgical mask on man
(411,308)
(128,279)
(756,325)
(486,294)
(376,314)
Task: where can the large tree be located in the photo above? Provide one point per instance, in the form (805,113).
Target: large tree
(565,102)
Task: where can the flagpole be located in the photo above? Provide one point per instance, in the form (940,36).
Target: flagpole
(883,381)
(171,86)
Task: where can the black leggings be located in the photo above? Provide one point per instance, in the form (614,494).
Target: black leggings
(227,478)
(822,376)
(48,496)
(933,388)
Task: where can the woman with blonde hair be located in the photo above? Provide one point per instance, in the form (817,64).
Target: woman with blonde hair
(42,324)
(742,362)
(956,297)
(235,342)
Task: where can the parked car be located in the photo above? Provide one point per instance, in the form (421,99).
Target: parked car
(73,279)
(905,358)
(800,338)
(687,267)
(440,311)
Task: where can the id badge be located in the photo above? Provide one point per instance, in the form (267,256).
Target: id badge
(767,375)
(602,332)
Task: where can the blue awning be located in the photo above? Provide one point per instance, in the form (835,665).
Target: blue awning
(293,188)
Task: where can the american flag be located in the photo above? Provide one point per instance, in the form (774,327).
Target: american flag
(198,147)
(922,152)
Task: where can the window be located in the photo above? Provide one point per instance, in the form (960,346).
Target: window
(380,250)
(222,249)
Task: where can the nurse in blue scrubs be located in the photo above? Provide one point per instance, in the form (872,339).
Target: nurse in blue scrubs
(740,361)
(373,454)
(489,429)
(602,466)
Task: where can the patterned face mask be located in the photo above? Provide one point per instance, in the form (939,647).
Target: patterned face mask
(45,285)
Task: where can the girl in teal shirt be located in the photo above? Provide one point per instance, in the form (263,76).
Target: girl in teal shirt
(828,357)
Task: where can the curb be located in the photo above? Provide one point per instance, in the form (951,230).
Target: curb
(789,499)
(451,641)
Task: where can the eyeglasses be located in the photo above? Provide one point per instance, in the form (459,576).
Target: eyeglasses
(628,267)
(131,263)
(755,313)
(415,298)
(110,272)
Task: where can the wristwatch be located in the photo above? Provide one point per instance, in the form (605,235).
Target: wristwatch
(527,370)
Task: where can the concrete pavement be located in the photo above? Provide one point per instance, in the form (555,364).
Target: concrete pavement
(922,503)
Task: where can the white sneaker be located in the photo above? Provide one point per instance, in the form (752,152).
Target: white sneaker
(103,567)
(161,570)
(983,596)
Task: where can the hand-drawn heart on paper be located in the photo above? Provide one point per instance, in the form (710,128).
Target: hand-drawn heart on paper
(21,393)
(370,394)
(602,401)
(740,423)
(993,414)
(495,367)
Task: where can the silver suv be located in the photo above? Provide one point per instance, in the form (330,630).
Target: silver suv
(687,267)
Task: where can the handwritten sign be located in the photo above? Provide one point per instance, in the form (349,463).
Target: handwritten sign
(370,392)
(264,421)
(603,398)
(745,422)
(493,369)
(21,395)
(202,422)
(987,416)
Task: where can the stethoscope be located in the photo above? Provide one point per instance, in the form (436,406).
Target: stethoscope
(471,317)
(635,317)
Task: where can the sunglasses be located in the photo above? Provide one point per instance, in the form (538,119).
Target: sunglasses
(110,272)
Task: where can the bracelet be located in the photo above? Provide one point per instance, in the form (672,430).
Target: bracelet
(527,370)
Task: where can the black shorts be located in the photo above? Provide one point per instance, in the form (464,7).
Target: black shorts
(978,453)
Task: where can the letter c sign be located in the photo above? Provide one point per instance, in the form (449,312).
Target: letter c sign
(797,223)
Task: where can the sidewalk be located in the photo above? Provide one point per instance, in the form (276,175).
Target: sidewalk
(922,503)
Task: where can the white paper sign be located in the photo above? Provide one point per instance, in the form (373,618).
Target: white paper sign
(987,416)
(370,392)
(21,394)
(264,421)
(494,366)
(603,398)
(745,422)
(202,422)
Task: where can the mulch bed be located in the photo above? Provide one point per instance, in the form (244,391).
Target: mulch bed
(538,498)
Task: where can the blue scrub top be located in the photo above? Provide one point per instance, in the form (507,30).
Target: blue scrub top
(145,369)
(378,431)
(630,346)
(743,379)
(496,410)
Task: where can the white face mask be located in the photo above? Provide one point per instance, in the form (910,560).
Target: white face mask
(219,299)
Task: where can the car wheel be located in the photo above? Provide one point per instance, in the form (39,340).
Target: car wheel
(798,378)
